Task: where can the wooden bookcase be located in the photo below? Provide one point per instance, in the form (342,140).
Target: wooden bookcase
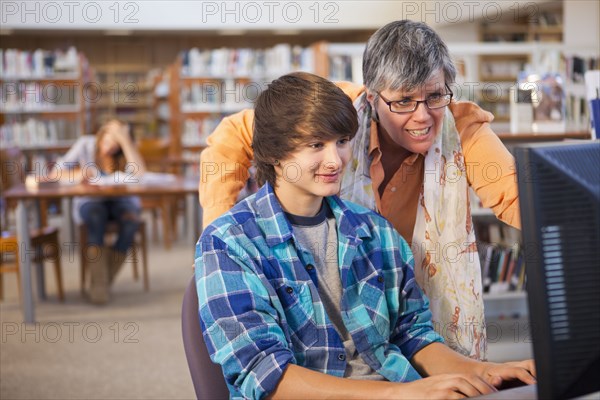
(126,94)
(207,85)
(44,109)
(499,72)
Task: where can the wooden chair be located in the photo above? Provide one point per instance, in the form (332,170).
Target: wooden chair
(155,152)
(44,240)
(13,171)
(46,246)
(139,242)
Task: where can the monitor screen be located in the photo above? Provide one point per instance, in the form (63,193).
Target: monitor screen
(559,195)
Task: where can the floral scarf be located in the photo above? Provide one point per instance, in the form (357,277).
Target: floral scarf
(446,261)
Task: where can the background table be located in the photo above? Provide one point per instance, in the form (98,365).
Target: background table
(176,186)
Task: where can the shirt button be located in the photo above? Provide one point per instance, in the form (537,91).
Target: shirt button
(380,279)
(310,267)
(393,188)
(289,290)
(341,357)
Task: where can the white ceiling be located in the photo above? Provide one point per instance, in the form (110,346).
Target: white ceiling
(125,17)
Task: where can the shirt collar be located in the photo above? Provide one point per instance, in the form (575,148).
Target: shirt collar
(374,138)
(277,229)
(270,217)
(374,145)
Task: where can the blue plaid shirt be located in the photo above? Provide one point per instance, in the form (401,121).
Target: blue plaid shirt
(260,308)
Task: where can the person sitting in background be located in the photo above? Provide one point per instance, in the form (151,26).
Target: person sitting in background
(413,159)
(299,290)
(111,150)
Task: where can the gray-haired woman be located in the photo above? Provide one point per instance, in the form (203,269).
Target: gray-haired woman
(414,157)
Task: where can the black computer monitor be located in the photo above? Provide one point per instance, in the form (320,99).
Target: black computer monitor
(559,194)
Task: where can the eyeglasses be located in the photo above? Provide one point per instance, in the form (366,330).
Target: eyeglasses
(404,106)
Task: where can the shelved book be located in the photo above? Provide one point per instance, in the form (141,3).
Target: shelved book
(37,132)
(244,62)
(195,131)
(40,63)
(502,268)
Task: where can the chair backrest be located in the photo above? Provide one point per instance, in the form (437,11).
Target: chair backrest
(207,377)
(154,152)
(12,172)
(13,167)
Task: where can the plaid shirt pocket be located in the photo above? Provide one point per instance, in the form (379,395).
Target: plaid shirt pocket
(372,291)
(298,322)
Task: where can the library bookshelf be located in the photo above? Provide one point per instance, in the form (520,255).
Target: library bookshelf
(47,101)
(207,85)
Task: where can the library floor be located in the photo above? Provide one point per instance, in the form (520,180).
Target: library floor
(128,349)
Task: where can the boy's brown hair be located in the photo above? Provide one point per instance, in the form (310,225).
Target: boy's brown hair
(297,108)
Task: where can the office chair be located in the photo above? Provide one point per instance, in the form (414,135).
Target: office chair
(139,242)
(207,377)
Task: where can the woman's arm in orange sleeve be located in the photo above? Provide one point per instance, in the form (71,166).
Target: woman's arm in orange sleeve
(490,166)
(351,89)
(494,178)
(224,164)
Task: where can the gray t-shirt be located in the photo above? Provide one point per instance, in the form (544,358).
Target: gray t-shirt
(318,235)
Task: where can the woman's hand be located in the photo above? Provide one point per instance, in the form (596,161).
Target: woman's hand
(497,374)
(119,133)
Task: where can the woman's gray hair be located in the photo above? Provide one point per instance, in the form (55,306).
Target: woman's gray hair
(402,55)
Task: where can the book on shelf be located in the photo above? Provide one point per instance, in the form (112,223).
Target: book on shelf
(224,96)
(37,132)
(345,67)
(486,252)
(501,258)
(196,131)
(510,268)
(576,66)
(23,97)
(503,270)
(20,64)
(247,63)
(518,274)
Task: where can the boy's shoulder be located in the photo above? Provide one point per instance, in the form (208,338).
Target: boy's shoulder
(381,232)
(239,215)
(368,222)
(363,213)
